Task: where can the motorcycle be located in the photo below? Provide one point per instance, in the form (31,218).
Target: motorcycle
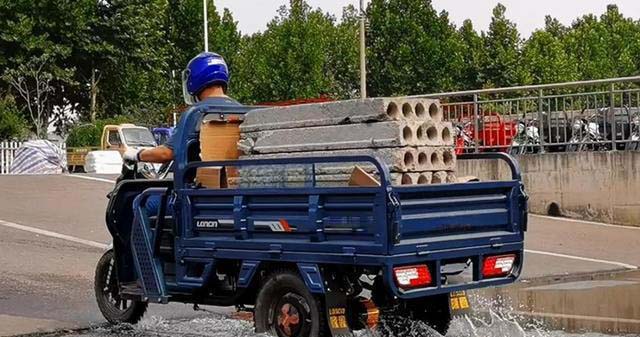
(527,138)
(464,138)
(586,135)
(634,139)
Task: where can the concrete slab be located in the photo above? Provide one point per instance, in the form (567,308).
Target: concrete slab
(399,159)
(351,136)
(342,112)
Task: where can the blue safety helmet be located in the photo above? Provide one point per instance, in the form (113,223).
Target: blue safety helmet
(204,70)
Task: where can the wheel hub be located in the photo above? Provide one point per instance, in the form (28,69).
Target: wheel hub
(288,319)
(291,316)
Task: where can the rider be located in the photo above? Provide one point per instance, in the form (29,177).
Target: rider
(205,79)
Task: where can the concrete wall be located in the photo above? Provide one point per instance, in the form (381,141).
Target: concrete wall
(598,186)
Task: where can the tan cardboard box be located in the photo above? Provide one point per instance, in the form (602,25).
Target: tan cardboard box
(361,178)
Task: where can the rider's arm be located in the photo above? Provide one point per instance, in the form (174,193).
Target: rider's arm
(159,154)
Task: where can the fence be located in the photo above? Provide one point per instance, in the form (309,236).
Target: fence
(574,116)
(7,153)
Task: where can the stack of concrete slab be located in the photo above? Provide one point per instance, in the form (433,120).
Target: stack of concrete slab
(408,135)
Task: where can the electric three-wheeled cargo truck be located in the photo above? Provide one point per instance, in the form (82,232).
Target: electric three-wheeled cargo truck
(308,260)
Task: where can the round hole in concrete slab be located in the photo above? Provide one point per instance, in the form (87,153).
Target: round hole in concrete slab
(407,134)
(407,110)
(446,135)
(406,179)
(422,159)
(420,133)
(432,133)
(447,157)
(408,159)
(422,180)
(420,111)
(434,111)
(554,209)
(436,179)
(393,111)
(435,161)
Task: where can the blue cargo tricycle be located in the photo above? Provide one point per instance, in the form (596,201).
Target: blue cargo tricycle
(308,259)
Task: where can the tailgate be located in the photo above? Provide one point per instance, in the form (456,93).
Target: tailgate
(445,217)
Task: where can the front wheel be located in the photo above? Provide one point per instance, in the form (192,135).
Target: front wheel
(114,308)
(286,308)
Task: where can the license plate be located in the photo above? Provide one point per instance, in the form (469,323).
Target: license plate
(459,303)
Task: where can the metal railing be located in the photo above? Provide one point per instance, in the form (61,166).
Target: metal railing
(597,115)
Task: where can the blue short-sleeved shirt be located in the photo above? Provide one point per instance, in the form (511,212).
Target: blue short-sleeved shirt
(220,101)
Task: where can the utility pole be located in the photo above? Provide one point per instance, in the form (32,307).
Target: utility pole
(206,26)
(363,56)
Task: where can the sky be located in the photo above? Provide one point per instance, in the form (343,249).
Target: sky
(253,15)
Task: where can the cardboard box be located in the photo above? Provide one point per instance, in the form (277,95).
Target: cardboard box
(218,141)
(211,177)
(360,177)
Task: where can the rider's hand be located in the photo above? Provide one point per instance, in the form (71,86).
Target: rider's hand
(132,155)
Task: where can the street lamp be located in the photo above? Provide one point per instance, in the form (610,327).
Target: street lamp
(363,56)
(206,26)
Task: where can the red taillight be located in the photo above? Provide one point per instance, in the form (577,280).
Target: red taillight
(412,276)
(499,265)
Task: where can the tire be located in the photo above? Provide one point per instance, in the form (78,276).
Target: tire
(114,309)
(285,291)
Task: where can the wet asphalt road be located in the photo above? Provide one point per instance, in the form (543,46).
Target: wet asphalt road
(47,283)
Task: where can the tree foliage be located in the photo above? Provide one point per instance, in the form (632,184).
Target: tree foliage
(124,57)
(302,54)
(411,48)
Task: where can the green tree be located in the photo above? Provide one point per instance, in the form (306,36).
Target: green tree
(605,47)
(546,60)
(291,59)
(139,78)
(501,65)
(472,53)
(411,48)
(12,125)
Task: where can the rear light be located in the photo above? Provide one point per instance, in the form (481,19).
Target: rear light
(499,265)
(412,276)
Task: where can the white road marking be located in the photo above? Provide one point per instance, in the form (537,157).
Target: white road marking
(91,178)
(582,221)
(581,317)
(54,235)
(619,264)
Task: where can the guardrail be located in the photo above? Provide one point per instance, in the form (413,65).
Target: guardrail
(7,153)
(597,115)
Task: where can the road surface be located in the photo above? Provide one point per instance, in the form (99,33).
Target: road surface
(52,233)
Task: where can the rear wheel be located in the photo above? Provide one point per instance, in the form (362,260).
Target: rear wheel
(114,308)
(286,308)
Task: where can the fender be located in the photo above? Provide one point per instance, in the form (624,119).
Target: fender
(312,277)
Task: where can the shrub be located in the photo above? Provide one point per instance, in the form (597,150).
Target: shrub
(88,135)
(13,126)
